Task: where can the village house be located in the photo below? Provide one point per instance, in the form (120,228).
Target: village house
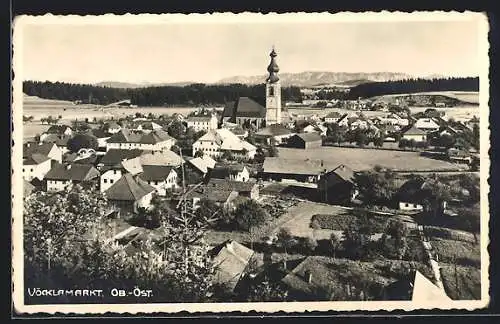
(247,189)
(102,137)
(164,158)
(305,141)
(415,287)
(337,185)
(114,157)
(215,142)
(427,124)
(201,165)
(343,121)
(234,261)
(57,130)
(36,166)
(60,140)
(111,174)
(459,156)
(415,134)
(276,133)
(202,123)
(155,140)
(48,149)
(160,177)
(63,177)
(393,119)
(146,126)
(223,198)
(235,172)
(286,170)
(112,127)
(316,128)
(413,195)
(130,193)
(332,117)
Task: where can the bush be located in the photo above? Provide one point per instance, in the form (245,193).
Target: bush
(249,214)
(80,141)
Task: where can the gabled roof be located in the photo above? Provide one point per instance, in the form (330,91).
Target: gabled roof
(116,156)
(155,136)
(414,131)
(59,140)
(73,172)
(98,133)
(35,159)
(244,107)
(308,137)
(155,172)
(166,157)
(344,172)
(132,166)
(231,260)
(293,166)
(227,185)
(57,129)
(224,171)
(274,130)
(413,190)
(128,188)
(32,148)
(199,118)
(203,163)
(203,192)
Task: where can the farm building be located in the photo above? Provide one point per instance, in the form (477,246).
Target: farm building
(279,169)
(427,124)
(276,132)
(130,193)
(62,177)
(245,189)
(202,123)
(337,185)
(305,141)
(414,194)
(235,172)
(415,134)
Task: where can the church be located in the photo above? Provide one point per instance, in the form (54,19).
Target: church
(246,111)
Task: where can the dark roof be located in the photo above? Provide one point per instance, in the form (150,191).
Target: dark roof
(414,131)
(35,159)
(128,188)
(57,129)
(116,156)
(244,107)
(91,159)
(308,137)
(31,148)
(223,184)
(333,114)
(74,172)
(204,192)
(274,130)
(59,140)
(98,133)
(155,172)
(129,136)
(224,171)
(413,190)
(155,136)
(344,172)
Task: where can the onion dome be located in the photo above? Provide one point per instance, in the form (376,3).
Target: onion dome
(273,68)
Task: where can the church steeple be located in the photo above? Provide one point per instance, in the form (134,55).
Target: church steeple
(273,68)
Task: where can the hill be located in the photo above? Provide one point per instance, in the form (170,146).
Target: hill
(312,78)
(128,85)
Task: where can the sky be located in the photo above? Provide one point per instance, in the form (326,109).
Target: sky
(208,52)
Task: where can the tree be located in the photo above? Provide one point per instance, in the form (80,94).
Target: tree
(334,244)
(378,141)
(376,187)
(475,136)
(361,138)
(394,240)
(357,237)
(199,153)
(310,244)
(208,211)
(403,143)
(249,214)
(285,239)
(80,141)
(445,141)
(176,129)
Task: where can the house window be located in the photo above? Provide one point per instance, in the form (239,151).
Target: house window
(111,180)
(271,91)
(31,170)
(114,171)
(105,180)
(407,205)
(23,169)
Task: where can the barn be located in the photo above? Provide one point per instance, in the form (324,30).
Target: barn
(305,141)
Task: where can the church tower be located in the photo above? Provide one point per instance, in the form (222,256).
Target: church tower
(273,93)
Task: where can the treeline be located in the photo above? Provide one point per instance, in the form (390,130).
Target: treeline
(367,90)
(194,94)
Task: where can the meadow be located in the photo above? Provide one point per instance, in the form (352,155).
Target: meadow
(365,159)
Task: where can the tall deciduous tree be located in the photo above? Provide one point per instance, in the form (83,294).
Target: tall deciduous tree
(249,214)
(80,141)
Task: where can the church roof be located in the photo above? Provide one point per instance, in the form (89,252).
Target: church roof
(244,107)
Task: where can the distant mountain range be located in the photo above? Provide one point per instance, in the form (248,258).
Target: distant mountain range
(302,79)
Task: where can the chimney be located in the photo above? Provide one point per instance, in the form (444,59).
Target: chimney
(308,276)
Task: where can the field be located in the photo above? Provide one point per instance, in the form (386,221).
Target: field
(365,159)
(463,253)
(461,282)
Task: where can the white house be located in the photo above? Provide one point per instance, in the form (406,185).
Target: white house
(277,132)
(426,124)
(147,127)
(236,172)
(162,178)
(36,166)
(109,177)
(130,193)
(202,123)
(112,127)
(320,129)
(215,142)
(332,117)
(155,140)
(57,130)
(415,134)
(394,120)
(62,177)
